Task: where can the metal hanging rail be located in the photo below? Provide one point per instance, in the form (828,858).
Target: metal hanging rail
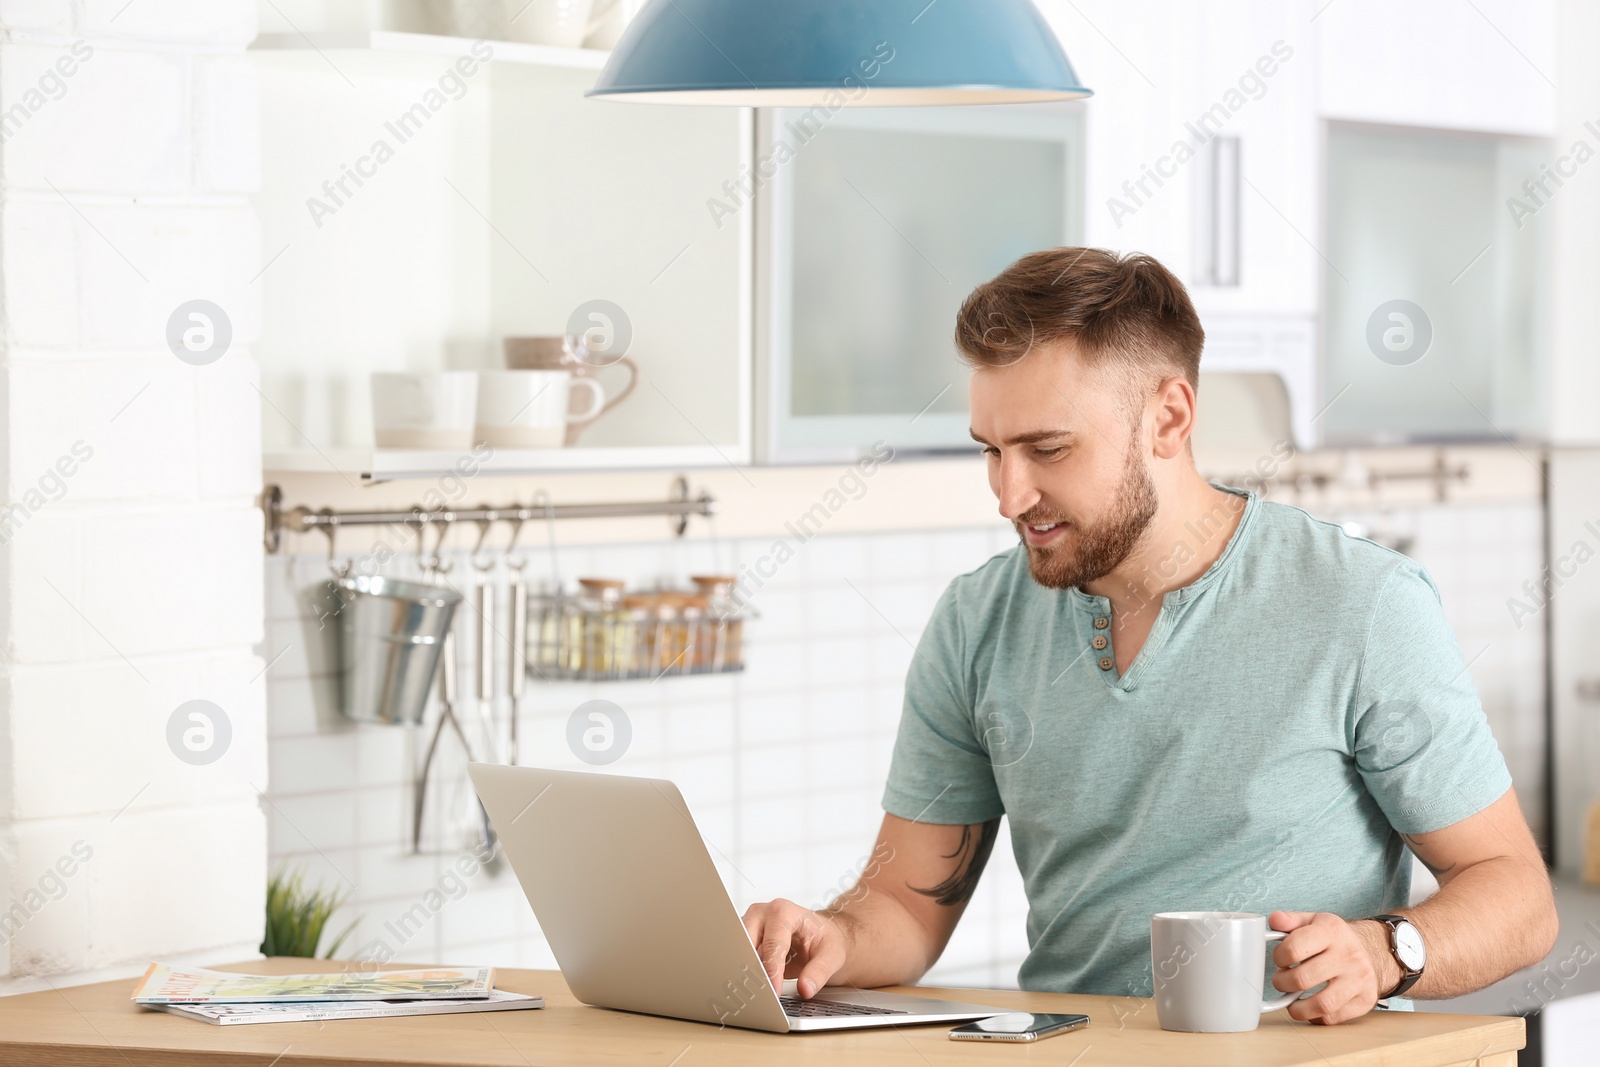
(678,506)
(1440,474)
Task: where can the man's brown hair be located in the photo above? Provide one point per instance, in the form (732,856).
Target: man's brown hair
(1127,309)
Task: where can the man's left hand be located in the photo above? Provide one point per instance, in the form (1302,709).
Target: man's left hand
(1352,958)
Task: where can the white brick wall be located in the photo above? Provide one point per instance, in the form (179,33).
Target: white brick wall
(128,150)
(145,151)
(41,280)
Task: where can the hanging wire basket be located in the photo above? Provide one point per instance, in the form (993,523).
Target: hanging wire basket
(602,634)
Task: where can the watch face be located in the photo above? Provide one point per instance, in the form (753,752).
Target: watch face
(1409,947)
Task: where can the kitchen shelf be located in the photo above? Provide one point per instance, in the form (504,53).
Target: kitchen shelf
(373,465)
(431,44)
(482,227)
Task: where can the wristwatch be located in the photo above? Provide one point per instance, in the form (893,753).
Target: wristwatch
(1405,942)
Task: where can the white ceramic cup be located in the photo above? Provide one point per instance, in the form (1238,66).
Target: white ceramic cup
(1209,968)
(532,408)
(562,23)
(424,411)
(462,18)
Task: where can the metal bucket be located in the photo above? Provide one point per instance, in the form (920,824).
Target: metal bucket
(391,635)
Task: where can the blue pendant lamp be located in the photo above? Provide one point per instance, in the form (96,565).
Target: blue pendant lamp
(872,53)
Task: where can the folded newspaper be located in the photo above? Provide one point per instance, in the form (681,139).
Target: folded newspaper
(162,984)
(310,1012)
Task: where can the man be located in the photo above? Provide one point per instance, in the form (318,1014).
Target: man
(1184,698)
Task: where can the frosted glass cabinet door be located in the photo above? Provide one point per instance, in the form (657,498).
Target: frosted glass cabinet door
(873,232)
(1433,326)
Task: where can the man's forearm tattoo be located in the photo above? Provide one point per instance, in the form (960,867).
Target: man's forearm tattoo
(1411,843)
(971,855)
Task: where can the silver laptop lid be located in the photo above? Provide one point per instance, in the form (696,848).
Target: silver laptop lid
(627,894)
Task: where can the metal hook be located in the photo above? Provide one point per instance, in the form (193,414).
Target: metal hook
(420,521)
(516,519)
(550,529)
(330,529)
(441,565)
(435,564)
(489,519)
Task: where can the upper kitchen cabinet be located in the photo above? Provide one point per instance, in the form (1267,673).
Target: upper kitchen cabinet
(1487,66)
(1202,136)
(873,226)
(1253,264)
(1434,322)
(1438,163)
(1228,141)
(424,198)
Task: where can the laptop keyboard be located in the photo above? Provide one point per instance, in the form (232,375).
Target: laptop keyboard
(815,1009)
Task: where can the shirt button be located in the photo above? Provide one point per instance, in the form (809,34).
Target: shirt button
(1105,663)
(1100,641)
(1101,623)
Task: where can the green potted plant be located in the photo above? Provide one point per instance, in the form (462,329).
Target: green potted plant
(297,917)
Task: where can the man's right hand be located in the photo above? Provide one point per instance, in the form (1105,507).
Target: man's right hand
(796,942)
(891,925)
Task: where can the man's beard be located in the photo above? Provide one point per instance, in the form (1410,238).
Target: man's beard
(1096,550)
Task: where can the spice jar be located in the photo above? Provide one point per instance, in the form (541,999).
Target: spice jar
(667,650)
(697,640)
(724,622)
(638,620)
(546,629)
(592,628)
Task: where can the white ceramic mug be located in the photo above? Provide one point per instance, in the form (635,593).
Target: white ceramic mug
(477,19)
(1209,968)
(562,23)
(532,408)
(558,353)
(425,411)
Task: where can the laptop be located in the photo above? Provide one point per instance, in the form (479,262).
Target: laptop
(638,918)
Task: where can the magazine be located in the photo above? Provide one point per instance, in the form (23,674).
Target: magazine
(304,1012)
(162,984)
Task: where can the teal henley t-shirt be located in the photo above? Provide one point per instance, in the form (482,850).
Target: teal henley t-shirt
(1292,712)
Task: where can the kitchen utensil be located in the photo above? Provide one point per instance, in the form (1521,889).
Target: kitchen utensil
(447,716)
(486,633)
(519,637)
(424,411)
(533,408)
(436,566)
(486,655)
(568,353)
(1208,968)
(447,687)
(561,23)
(391,634)
(1591,850)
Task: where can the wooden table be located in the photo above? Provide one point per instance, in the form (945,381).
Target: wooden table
(86,1026)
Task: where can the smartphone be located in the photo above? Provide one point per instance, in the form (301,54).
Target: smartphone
(1018,1026)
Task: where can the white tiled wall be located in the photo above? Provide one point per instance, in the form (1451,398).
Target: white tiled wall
(783,765)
